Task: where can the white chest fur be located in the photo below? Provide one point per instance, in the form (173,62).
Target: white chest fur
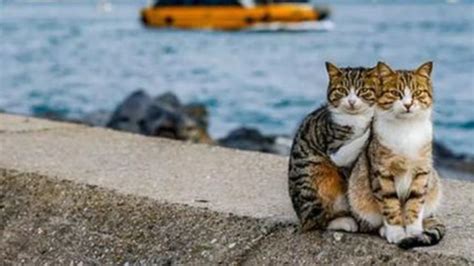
(348,153)
(358,123)
(405,137)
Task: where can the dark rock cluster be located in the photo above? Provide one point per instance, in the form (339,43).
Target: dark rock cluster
(162,116)
(166,116)
(253,140)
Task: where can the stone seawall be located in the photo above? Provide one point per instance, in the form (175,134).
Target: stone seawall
(76,193)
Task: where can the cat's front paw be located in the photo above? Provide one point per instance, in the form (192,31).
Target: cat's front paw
(347,224)
(414,229)
(393,233)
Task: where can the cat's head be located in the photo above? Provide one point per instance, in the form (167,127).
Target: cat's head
(405,94)
(352,90)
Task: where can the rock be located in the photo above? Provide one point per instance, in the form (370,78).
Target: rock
(440,151)
(247,139)
(198,112)
(168,123)
(443,156)
(337,236)
(168,100)
(166,117)
(130,113)
(163,116)
(251,139)
(160,121)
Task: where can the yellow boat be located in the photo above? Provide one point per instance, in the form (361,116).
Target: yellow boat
(228,14)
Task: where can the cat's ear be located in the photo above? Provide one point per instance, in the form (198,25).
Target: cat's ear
(372,72)
(333,70)
(384,70)
(425,69)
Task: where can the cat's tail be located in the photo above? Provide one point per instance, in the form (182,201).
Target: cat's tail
(434,230)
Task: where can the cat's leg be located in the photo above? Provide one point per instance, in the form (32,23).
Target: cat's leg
(433,228)
(331,190)
(390,206)
(316,188)
(414,204)
(362,202)
(433,231)
(346,155)
(303,196)
(344,222)
(433,196)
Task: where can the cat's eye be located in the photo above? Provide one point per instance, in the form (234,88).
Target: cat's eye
(417,93)
(394,92)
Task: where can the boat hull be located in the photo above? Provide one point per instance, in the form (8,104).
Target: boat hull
(228,17)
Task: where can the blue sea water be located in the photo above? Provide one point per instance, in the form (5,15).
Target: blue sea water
(74,59)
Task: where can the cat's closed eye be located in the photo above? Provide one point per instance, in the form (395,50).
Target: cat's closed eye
(417,93)
(367,89)
(395,92)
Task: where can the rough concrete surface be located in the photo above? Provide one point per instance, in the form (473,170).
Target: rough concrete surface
(52,221)
(57,221)
(137,212)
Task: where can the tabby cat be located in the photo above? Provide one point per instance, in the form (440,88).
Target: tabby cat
(328,141)
(393,186)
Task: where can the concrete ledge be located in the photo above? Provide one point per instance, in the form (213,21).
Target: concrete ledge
(20,124)
(162,172)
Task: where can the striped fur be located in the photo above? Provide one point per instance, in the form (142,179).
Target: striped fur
(317,185)
(393,186)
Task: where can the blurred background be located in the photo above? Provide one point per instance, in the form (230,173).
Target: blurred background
(70,59)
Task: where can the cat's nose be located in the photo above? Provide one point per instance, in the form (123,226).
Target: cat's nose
(351,102)
(408,105)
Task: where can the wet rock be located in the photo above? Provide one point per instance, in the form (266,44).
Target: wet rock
(440,151)
(443,156)
(198,112)
(173,124)
(168,100)
(162,116)
(251,139)
(130,113)
(247,139)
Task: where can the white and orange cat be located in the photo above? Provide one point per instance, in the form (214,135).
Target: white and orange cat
(393,187)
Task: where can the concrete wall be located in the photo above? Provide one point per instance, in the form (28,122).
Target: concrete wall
(215,180)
